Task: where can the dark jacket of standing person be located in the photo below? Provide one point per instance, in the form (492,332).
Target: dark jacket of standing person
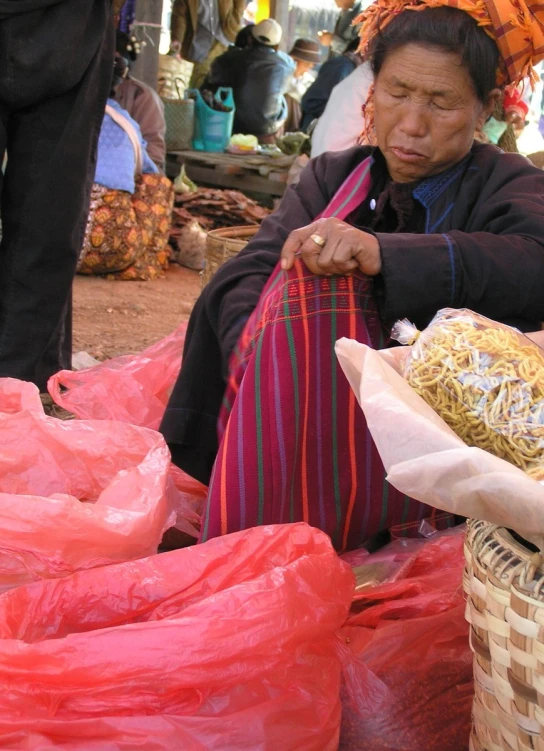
(333,71)
(56,58)
(259,76)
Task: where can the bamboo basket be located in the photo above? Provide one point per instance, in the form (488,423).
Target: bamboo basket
(504,582)
(222,244)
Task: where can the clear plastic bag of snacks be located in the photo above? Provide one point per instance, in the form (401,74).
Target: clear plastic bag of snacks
(484,379)
(423,456)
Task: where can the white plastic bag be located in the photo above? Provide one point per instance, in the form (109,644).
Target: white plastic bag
(426,460)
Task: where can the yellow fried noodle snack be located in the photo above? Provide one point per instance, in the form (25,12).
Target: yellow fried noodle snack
(484,379)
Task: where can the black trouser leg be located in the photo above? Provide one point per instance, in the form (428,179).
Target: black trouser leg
(51,145)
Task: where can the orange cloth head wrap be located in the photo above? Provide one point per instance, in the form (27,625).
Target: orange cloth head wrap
(517,26)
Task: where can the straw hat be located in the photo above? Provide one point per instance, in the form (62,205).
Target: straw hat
(306,50)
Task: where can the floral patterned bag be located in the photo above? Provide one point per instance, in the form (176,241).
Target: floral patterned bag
(127,234)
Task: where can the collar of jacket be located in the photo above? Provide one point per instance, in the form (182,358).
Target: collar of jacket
(435,193)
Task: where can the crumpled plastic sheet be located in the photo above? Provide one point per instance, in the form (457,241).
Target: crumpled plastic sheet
(407,675)
(134,389)
(130,388)
(226,645)
(77,494)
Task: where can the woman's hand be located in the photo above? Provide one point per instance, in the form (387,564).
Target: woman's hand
(325,38)
(329,246)
(175,49)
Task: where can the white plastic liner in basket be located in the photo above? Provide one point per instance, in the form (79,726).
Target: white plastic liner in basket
(426,460)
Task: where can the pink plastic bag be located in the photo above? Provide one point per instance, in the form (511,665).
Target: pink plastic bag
(130,388)
(383,567)
(77,494)
(134,389)
(227,646)
(407,680)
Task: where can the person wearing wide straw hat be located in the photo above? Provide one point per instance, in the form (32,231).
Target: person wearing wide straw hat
(259,76)
(422,219)
(306,55)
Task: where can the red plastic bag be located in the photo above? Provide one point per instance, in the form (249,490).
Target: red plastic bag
(134,389)
(407,680)
(227,646)
(77,494)
(383,567)
(130,388)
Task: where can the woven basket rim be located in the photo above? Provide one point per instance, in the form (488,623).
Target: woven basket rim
(502,554)
(226,233)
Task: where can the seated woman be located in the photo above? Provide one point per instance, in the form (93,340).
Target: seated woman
(131,203)
(306,55)
(141,102)
(423,220)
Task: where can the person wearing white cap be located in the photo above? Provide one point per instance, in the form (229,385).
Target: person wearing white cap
(268,32)
(259,76)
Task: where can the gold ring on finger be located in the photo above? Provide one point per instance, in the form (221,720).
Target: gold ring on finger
(318,240)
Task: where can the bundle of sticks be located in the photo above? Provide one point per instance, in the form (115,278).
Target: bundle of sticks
(198,212)
(214,208)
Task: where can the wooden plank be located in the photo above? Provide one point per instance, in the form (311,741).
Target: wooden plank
(243,182)
(279,10)
(254,162)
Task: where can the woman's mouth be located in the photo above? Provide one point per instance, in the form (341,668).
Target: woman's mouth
(405,155)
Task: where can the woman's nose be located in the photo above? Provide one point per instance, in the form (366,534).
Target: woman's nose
(413,120)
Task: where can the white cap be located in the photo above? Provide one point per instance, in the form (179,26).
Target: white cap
(267,32)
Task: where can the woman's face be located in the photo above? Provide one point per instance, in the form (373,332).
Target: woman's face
(302,67)
(426,111)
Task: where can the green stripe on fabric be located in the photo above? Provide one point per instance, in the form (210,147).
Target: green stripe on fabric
(353,192)
(204,530)
(294,370)
(335,472)
(259,429)
(385,499)
(226,404)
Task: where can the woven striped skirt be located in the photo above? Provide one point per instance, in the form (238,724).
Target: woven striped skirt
(294,445)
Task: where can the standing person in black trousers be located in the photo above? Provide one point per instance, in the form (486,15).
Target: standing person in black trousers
(56,58)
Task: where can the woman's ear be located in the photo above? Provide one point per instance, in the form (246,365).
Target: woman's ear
(487,109)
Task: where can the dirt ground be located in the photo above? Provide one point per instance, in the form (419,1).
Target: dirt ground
(115,318)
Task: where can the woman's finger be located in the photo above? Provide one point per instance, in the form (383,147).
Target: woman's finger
(293,245)
(310,253)
(338,258)
(289,251)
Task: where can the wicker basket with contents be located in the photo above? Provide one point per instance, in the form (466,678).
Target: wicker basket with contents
(470,441)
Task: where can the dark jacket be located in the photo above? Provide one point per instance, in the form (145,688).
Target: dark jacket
(483,249)
(315,100)
(13,7)
(259,77)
